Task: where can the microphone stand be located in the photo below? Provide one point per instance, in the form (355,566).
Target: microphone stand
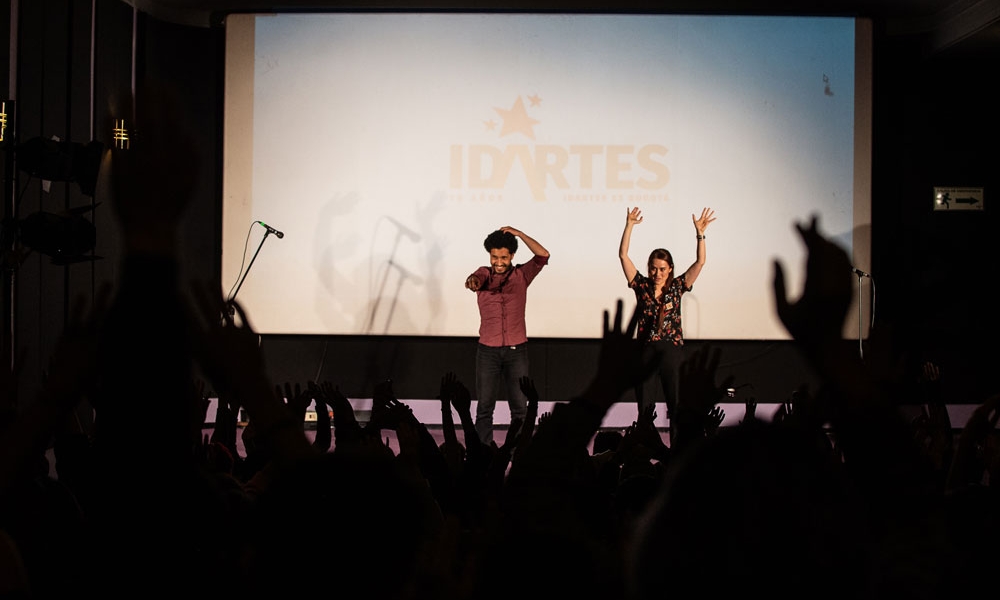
(229,302)
(861,351)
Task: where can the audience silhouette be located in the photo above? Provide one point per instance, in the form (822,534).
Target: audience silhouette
(838,495)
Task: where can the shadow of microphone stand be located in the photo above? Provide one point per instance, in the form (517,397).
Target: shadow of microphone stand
(403,276)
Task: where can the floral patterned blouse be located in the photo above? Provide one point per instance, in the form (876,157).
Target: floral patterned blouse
(659,320)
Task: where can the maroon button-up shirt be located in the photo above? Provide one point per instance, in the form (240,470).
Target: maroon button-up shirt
(502,299)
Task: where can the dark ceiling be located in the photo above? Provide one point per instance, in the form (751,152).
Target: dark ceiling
(938,26)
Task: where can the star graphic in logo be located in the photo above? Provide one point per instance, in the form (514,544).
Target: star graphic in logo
(491,125)
(535,100)
(516,120)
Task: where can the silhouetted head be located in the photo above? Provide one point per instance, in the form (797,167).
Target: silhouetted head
(744,501)
(607,440)
(360,514)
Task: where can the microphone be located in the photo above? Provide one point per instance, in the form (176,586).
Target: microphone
(272,230)
(413,235)
(860,273)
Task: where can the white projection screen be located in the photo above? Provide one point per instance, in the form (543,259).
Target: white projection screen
(387,146)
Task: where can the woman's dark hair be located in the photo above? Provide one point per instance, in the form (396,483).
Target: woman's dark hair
(662,254)
(501,239)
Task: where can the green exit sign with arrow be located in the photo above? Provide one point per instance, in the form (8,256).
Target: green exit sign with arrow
(958,198)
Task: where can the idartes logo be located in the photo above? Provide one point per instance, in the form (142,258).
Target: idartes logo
(575,170)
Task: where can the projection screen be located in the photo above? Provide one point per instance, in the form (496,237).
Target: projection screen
(385,147)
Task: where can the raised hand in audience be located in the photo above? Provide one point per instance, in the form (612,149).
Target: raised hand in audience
(800,406)
(620,362)
(644,432)
(503,453)
(876,443)
(389,413)
(698,395)
(225,431)
(346,428)
(750,411)
(47,547)
(969,465)
(25,434)
(563,435)
(852,400)
(527,385)
(146,365)
(451,448)
(296,398)
(446,392)
(620,365)
(477,453)
(384,413)
(527,430)
(324,424)
(714,419)
(636,450)
(554,511)
(408,438)
(817,317)
(230,356)
(932,428)
(510,438)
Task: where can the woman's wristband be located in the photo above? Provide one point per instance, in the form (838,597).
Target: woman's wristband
(701,236)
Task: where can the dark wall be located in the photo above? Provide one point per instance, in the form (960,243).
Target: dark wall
(58,94)
(72,60)
(936,125)
(933,125)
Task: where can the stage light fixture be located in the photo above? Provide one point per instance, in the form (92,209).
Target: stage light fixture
(121,135)
(54,160)
(65,238)
(3,119)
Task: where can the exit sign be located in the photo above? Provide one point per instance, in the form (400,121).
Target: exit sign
(958,198)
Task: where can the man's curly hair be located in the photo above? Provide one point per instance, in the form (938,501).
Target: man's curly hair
(501,239)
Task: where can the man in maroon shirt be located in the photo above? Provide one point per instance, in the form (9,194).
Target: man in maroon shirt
(502,356)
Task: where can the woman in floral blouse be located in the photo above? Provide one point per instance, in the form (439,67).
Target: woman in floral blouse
(658,298)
